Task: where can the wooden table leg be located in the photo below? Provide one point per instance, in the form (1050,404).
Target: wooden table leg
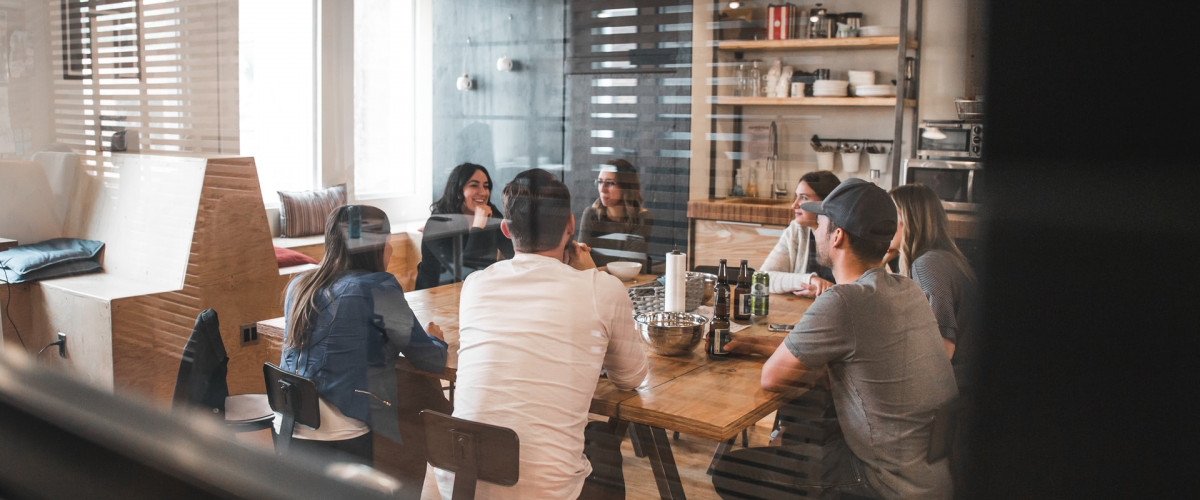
(666,474)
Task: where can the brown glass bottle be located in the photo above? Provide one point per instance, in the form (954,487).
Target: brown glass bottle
(741,311)
(718,328)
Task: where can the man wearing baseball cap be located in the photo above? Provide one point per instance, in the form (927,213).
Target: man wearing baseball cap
(876,334)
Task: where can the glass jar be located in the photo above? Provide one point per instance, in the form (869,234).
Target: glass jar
(755,81)
(739,81)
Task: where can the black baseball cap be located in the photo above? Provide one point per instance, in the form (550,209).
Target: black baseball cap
(859,208)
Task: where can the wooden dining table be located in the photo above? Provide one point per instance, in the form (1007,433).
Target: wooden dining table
(714,399)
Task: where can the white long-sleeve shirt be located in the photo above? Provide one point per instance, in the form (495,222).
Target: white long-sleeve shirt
(787,264)
(534,334)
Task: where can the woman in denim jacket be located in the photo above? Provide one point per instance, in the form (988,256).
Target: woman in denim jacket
(346,322)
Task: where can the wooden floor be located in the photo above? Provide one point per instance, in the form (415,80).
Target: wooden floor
(692,455)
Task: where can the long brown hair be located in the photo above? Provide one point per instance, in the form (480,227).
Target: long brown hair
(821,182)
(342,254)
(631,193)
(926,227)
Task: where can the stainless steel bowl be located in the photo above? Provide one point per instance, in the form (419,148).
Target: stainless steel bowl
(709,281)
(671,333)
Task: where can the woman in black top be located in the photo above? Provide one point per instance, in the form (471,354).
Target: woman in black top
(464,211)
(617,226)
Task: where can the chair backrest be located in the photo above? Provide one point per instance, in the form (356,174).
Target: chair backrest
(296,400)
(945,427)
(203,367)
(291,394)
(472,450)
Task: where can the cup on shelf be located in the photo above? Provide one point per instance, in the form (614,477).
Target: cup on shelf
(824,160)
(850,161)
(797,89)
(878,161)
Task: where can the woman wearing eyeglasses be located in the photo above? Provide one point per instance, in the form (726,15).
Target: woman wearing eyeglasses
(616,226)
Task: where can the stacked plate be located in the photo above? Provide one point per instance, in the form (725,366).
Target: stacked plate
(831,88)
(874,90)
(878,31)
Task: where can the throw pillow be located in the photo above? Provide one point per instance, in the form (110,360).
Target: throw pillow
(43,259)
(303,213)
(287,257)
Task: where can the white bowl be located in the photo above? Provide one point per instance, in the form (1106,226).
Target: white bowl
(878,31)
(858,78)
(624,270)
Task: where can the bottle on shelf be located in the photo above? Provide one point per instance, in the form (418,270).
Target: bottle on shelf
(754,79)
(718,328)
(741,294)
(752,184)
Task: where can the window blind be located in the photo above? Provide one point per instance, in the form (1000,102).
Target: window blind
(629,87)
(163,70)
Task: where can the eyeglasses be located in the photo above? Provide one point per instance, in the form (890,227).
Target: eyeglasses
(605,183)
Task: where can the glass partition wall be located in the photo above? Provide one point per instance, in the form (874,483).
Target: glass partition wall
(590,82)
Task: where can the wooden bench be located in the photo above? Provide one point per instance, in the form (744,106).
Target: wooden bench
(181,235)
(406,253)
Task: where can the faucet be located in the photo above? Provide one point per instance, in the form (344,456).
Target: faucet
(778,190)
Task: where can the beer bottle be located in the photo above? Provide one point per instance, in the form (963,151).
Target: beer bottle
(741,295)
(718,328)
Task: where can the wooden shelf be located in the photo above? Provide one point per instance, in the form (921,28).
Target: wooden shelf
(865,42)
(808,101)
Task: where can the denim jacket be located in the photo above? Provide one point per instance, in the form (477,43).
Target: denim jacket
(362,325)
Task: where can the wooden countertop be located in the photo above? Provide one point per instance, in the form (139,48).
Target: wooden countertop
(752,210)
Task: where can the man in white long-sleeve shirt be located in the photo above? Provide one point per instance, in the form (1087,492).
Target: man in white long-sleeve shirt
(534,333)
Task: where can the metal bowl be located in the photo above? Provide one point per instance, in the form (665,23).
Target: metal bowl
(671,333)
(709,281)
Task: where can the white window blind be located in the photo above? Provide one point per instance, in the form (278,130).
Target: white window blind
(163,70)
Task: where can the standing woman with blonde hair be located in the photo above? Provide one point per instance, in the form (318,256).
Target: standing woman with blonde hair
(928,255)
(617,226)
(345,324)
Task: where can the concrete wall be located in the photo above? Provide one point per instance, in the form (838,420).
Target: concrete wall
(510,121)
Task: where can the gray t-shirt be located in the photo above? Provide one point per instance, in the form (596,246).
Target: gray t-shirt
(888,374)
(951,295)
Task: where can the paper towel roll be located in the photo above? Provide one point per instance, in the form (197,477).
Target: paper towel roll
(675,282)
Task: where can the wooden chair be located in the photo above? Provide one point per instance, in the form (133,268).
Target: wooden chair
(295,398)
(201,380)
(472,450)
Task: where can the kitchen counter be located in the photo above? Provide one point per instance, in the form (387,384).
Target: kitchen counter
(750,210)
(779,212)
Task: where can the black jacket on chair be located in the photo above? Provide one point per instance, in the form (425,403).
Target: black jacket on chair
(202,370)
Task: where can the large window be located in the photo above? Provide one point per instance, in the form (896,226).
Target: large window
(277,93)
(392,111)
(384,89)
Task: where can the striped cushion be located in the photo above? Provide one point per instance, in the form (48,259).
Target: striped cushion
(302,213)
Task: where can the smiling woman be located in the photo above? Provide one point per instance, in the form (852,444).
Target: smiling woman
(463,229)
